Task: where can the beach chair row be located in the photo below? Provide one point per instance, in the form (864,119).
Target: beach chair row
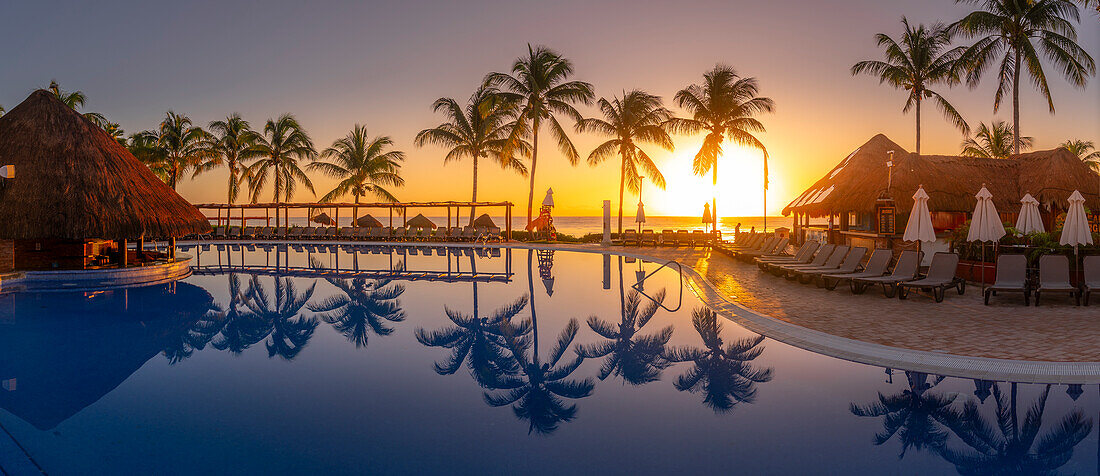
(364,248)
(441,234)
(667,238)
(1053,277)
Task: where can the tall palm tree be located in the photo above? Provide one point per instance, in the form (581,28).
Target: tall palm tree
(1015,33)
(1085,149)
(363,165)
(921,59)
(1009,446)
(145,147)
(993,142)
(278,151)
(361,308)
(480,130)
(722,372)
(637,117)
(230,143)
(920,418)
(724,105)
(288,330)
(76,100)
(539,85)
(637,359)
(479,342)
(182,144)
(115,131)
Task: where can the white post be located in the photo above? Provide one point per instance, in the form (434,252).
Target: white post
(606,223)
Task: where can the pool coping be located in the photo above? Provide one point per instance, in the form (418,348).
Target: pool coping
(97,279)
(985,368)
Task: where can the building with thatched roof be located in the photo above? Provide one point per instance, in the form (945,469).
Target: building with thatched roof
(868,198)
(78,195)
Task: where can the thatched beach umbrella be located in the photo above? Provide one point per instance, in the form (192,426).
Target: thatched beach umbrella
(484,221)
(76,182)
(1029,220)
(420,221)
(985,225)
(367,221)
(919,227)
(323,219)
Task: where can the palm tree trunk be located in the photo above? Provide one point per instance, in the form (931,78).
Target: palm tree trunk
(622,181)
(534,319)
(278,183)
(355,212)
(1016,105)
(714,199)
(918,123)
(474,198)
(534,160)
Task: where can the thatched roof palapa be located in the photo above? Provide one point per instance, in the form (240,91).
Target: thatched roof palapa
(367,221)
(484,221)
(420,221)
(76,182)
(951,181)
(324,219)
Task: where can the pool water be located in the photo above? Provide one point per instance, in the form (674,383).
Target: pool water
(269,360)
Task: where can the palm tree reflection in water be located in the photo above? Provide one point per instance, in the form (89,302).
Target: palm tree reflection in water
(287,330)
(918,416)
(722,372)
(478,341)
(362,307)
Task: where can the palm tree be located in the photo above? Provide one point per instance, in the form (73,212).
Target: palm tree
(278,150)
(363,165)
(182,144)
(288,330)
(638,359)
(146,149)
(230,144)
(2,110)
(362,307)
(537,391)
(993,142)
(481,129)
(540,88)
(723,372)
(115,131)
(918,417)
(724,106)
(1085,149)
(922,59)
(638,117)
(1008,446)
(479,342)
(76,100)
(1015,33)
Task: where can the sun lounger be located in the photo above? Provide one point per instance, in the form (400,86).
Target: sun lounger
(941,275)
(346,233)
(1054,277)
(1011,276)
(832,262)
(877,265)
(648,237)
(683,238)
(294,233)
(234,232)
(440,234)
(1091,275)
(905,269)
(331,233)
(698,238)
(818,259)
(849,265)
(400,234)
(750,242)
(778,248)
(805,254)
(279,233)
(363,232)
(630,237)
(764,245)
(454,234)
(668,238)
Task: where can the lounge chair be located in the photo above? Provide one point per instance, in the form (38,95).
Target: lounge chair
(1011,276)
(698,238)
(668,238)
(832,262)
(941,275)
(279,233)
(494,234)
(849,265)
(805,254)
(630,236)
(648,237)
(778,248)
(749,242)
(1092,276)
(683,238)
(219,231)
(817,259)
(454,234)
(905,269)
(763,246)
(234,232)
(400,234)
(876,266)
(294,233)
(1054,277)
(363,232)
(440,234)
(331,233)
(346,233)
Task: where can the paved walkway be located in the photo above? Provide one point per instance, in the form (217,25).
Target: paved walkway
(961,325)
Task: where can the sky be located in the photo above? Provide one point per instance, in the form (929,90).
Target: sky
(382,64)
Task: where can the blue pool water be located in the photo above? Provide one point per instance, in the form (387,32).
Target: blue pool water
(267,360)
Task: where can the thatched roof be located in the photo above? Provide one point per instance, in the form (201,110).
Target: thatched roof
(368,221)
(484,221)
(420,221)
(323,219)
(73,181)
(951,181)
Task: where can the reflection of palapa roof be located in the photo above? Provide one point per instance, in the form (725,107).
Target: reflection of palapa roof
(74,181)
(951,182)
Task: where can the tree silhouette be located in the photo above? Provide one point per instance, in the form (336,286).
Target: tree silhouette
(240,330)
(479,342)
(290,331)
(363,307)
(638,359)
(722,372)
(919,417)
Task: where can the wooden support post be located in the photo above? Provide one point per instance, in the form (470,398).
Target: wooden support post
(172,248)
(448,217)
(267,216)
(122,250)
(391,216)
(336,211)
(508,223)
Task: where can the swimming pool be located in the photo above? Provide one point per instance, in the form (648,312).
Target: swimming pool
(455,360)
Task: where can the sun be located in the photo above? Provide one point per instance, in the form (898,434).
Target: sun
(739,191)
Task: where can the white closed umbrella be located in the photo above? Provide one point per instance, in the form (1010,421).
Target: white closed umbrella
(639,217)
(919,226)
(1029,220)
(985,224)
(1075,231)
